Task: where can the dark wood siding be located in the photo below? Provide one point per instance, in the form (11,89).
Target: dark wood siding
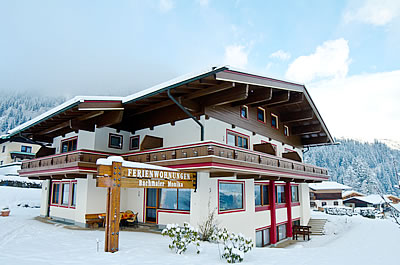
(231,115)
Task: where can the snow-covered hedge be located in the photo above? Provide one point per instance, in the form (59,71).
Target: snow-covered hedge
(235,245)
(338,210)
(365,211)
(182,237)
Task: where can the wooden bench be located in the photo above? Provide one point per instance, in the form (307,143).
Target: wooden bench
(301,230)
(95,220)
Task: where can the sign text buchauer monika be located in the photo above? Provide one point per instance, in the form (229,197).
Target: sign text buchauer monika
(115,176)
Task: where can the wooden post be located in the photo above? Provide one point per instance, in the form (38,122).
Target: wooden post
(113,209)
(288,193)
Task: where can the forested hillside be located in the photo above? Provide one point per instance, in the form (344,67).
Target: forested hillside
(367,167)
(17,108)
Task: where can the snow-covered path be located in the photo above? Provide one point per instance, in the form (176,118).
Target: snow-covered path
(23,240)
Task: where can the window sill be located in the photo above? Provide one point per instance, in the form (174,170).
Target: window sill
(262,208)
(231,211)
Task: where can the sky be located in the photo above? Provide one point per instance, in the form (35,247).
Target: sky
(345,52)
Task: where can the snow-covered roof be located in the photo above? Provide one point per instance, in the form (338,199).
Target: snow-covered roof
(328,185)
(173,82)
(371,199)
(66,105)
(349,192)
(109,160)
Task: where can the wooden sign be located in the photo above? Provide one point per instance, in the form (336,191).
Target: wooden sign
(115,176)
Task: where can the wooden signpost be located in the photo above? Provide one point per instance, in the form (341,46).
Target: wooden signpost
(115,176)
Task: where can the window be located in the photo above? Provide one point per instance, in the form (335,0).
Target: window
(336,203)
(261,195)
(55,194)
(4,149)
(280,194)
(297,222)
(1,162)
(73,197)
(230,196)
(26,149)
(261,114)
(244,112)
(281,232)
(295,193)
(262,238)
(175,199)
(65,194)
(134,142)
(274,121)
(69,145)
(238,140)
(115,141)
(323,203)
(285,130)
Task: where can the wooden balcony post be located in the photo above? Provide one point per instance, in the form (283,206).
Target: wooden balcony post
(288,192)
(273,211)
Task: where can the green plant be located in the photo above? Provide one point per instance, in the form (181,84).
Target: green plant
(181,237)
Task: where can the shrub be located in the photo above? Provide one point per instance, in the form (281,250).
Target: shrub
(208,227)
(181,237)
(235,245)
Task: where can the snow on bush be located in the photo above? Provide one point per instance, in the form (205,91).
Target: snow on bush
(338,210)
(182,237)
(235,245)
(365,211)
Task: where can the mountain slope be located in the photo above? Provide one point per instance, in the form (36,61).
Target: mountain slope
(367,167)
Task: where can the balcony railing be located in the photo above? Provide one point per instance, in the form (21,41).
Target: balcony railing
(79,158)
(223,151)
(171,156)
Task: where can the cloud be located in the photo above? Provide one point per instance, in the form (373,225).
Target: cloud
(374,12)
(281,55)
(236,56)
(330,60)
(166,5)
(203,3)
(361,106)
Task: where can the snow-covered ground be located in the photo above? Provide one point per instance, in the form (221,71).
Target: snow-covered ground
(23,240)
(10,172)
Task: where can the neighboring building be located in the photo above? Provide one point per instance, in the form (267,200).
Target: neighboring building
(326,193)
(17,149)
(373,200)
(243,134)
(350,194)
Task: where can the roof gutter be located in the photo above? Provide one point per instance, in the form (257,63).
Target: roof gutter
(187,113)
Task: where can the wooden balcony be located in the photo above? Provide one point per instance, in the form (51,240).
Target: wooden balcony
(220,159)
(66,165)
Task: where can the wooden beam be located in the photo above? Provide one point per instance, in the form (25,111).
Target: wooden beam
(278,98)
(307,129)
(248,176)
(209,81)
(226,97)
(256,95)
(199,93)
(190,105)
(295,98)
(109,118)
(315,140)
(297,116)
(221,174)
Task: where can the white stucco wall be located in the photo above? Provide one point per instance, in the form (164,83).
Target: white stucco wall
(304,197)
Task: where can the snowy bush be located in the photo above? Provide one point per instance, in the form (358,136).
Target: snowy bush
(181,237)
(208,227)
(235,245)
(338,210)
(366,211)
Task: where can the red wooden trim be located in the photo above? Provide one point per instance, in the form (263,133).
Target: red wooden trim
(144,204)
(88,169)
(263,228)
(295,204)
(272,231)
(243,196)
(296,219)
(130,142)
(68,140)
(236,134)
(222,165)
(282,223)
(262,77)
(263,208)
(265,115)
(277,121)
(261,182)
(289,226)
(280,205)
(240,110)
(117,135)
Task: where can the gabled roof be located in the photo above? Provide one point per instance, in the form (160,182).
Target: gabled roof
(211,87)
(328,185)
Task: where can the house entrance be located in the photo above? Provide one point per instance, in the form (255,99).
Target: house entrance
(152,197)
